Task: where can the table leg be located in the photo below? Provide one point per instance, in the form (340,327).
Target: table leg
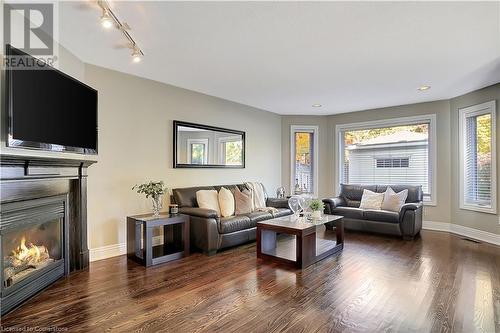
(339,231)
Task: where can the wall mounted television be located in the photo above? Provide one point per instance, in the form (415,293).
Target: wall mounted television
(48,109)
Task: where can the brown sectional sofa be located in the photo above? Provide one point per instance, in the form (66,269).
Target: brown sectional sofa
(210,232)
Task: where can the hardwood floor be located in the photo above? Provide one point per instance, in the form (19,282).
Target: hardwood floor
(438,283)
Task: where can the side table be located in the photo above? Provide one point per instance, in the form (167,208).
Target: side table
(175,245)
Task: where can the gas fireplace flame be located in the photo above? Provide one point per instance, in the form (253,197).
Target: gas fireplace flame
(29,254)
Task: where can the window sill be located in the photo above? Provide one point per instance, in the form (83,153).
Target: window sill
(430,203)
(477,208)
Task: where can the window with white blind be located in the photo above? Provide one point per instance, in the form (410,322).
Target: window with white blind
(304,160)
(393,151)
(477,131)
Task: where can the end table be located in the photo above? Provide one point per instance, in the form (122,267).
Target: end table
(140,245)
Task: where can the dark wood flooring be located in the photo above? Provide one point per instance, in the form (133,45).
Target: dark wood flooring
(438,283)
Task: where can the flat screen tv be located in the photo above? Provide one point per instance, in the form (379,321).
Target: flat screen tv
(49,110)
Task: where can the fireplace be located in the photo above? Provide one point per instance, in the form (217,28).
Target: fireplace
(43,224)
(34,244)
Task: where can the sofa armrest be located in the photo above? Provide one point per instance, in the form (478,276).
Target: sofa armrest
(332,203)
(199,212)
(277,202)
(410,206)
(410,219)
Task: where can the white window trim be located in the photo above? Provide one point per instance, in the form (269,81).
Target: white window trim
(189,152)
(431,118)
(315,131)
(222,141)
(476,110)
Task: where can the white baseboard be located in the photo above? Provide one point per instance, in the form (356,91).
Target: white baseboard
(115,250)
(107,251)
(457,229)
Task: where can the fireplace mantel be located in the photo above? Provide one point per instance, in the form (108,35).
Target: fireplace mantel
(25,178)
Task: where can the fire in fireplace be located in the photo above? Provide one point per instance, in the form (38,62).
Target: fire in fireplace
(33,235)
(24,260)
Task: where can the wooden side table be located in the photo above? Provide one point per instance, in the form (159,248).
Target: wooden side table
(175,245)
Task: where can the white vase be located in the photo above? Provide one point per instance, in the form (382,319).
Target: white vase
(316,214)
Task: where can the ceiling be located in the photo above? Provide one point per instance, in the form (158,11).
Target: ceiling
(285,56)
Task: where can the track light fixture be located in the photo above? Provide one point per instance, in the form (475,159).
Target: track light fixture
(109,19)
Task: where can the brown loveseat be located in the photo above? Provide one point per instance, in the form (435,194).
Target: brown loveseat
(210,232)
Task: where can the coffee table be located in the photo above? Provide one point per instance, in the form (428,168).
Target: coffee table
(313,242)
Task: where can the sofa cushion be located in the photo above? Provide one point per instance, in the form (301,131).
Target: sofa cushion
(208,199)
(349,212)
(243,202)
(235,223)
(282,212)
(259,216)
(371,200)
(381,216)
(394,201)
(226,202)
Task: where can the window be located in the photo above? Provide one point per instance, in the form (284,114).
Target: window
(393,151)
(478,158)
(231,150)
(304,159)
(197,151)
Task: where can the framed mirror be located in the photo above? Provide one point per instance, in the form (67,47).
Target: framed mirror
(202,146)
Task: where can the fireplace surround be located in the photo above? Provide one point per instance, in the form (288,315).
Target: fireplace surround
(43,224)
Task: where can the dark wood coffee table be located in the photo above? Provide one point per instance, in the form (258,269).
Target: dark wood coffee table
(313,242)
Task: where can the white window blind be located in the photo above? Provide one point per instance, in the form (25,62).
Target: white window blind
(477,151)
(391,153)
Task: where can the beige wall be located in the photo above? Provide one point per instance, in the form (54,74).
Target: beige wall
(477,220)
(135,145)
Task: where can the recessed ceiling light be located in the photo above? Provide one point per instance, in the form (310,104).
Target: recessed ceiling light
(316,105)
(424,88)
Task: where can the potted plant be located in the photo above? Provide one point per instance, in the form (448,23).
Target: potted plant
(317,208)
(155,191)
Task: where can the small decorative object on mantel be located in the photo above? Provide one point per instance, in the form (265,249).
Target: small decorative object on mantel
(155,191)
(280,192)
(174,209)
(317,206)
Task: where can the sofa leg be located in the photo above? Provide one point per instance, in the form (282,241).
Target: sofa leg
(210,253)
(408,238)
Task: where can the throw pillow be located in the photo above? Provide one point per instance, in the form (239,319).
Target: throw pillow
(208,199)
(371,200)
(393,201)
(243,202)
(226,202)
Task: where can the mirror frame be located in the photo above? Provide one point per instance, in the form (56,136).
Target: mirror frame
(178,123)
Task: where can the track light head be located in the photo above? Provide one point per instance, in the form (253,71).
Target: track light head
(136,56)
(106,20)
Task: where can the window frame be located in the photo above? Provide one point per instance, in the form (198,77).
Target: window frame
(202,141)
(222,147)
(474,111)
(391,122)
(304,129)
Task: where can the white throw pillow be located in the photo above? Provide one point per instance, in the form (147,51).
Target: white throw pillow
(371,200)
(208,199)
(393,201)
(226,202)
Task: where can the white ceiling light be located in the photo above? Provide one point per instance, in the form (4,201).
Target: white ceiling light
(424,88)
(317,105)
